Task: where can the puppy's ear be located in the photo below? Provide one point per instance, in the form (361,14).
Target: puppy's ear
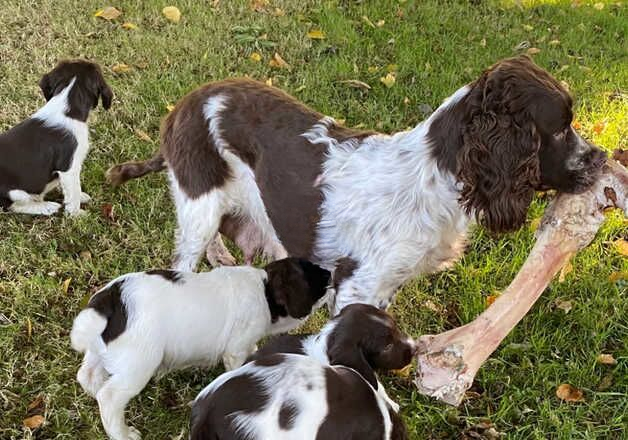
(344,351)
(317,278)
(289,287)
(106,95)
(45,84)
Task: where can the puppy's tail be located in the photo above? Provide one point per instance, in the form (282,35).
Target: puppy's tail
(119,174)
(87,328)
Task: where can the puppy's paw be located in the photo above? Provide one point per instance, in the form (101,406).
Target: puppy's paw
(85,198)
(49,208)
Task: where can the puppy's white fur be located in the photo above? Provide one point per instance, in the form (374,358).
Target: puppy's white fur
(196,320)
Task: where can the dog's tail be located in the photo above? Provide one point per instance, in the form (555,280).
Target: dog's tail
(87,328)
(119,174)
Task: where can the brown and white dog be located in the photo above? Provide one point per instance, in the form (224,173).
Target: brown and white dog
(47,150)
(254,164)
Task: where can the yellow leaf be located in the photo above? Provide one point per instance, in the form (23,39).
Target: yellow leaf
(388,80)
(172,13)
(599,6)
(143,135)
(406,100)
(278,62)
(606,359)
(368,21)
(569,393)
(554,42)
(404,372)
(483,42)
(340,121)
(533,51)
(616,276)
(527,27)
(380,23)
(29,328)
(258,5)
(622,247)
(598,127)
(121,68)
(491,299)
(109,13)
(316,34)
(66,285)
(34,422)
(128,25)
(278,12)
(169,107)
(269,82)
(372,69)
(256,57)
(566,270)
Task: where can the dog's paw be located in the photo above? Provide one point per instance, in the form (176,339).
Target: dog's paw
(49,208)
(85,198)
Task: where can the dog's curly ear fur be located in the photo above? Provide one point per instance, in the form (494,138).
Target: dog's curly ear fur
(498,164)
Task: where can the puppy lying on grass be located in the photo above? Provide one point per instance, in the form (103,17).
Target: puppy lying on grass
(148,322)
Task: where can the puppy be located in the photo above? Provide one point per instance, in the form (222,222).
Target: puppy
(328,390)
(47,150)
(146,322)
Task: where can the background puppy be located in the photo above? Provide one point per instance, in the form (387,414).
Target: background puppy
(144,322)
(48,149)
(330,393)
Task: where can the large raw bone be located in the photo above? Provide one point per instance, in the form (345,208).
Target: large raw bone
(448,362)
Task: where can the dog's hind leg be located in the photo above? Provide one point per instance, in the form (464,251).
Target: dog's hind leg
(198,222)
(92,375)
(25,203)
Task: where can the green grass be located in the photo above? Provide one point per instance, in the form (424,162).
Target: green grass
(437,46)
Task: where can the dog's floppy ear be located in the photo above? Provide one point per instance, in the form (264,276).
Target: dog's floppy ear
(345,348)
(45,84)
(106,95)
(289,287)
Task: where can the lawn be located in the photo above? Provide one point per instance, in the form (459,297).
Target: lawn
(50,266)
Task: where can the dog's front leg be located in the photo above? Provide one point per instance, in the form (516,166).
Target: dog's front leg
(70,182)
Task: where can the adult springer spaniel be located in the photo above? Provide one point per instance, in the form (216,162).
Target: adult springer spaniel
(48,149)
(254,164)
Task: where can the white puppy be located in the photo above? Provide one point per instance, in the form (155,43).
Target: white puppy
(145,322)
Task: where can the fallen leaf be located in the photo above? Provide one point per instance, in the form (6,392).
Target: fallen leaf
(533,51)
(269,82)
(128,25)
(554,42)
(169,107)
(404,372)
(34,422)
(569,393)
(621,156)
(143,135)
(599,6)
(340,121)
(406,100)
(388,80)
(109,13)
(256,57)
(616,276)
(142,65)
(527,27)
(606,359)
(316,34)
(598,127)
(622,246)
(566,270)
(36,405)
(483,42)
(278,12)
(85,255)
(564,305)
(576,125)
(356,84)
(430,305)
(172,13)
(66,285)
(29,328)
(121,68)
(380,23)
(372,69)
(606,382)
(278,62)
(491,299)
(258,5)
(106,211)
